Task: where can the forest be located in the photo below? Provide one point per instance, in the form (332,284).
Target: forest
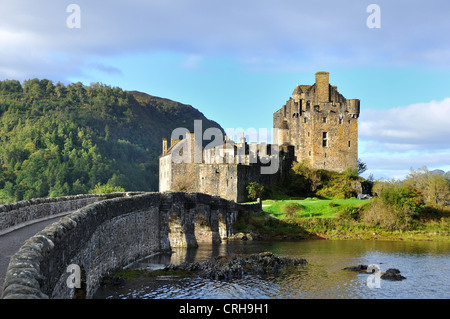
(58,139)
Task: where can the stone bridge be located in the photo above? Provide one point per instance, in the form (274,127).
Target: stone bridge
(108,234)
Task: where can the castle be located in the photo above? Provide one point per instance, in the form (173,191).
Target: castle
(316,124)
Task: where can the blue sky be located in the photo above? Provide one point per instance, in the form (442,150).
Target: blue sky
(239,61)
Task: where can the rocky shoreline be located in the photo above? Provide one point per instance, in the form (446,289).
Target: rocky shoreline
(227,268)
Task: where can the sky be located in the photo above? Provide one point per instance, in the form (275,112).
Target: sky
(239,61)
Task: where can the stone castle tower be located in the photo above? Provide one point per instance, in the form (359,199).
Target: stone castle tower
(321,125)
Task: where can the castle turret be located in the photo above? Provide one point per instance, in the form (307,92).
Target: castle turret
(353,107)
(283,133)
(323,86)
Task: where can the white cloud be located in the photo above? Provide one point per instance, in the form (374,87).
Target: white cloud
(273,34)
(394,140)
(422,126)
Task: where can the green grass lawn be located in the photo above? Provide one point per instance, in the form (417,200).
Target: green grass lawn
(310,207)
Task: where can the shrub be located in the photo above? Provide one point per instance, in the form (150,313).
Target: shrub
(348,213)
(403,196)
(337,191)
(332,204)
(396,206)
(351,173)
(388,217)
(106,189)
(290,209)
(254,190)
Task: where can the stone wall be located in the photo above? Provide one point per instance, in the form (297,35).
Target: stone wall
(108,235)
(16,214)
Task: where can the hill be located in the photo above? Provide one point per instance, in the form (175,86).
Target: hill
(60,140)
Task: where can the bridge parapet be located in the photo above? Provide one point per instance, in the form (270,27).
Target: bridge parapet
(110,234)
(15,215)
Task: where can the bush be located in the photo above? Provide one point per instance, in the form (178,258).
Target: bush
(254,190)
(400,197)
(396,206)
(340,190)
(351,173)
(390,218)
(290,209)
(348,213)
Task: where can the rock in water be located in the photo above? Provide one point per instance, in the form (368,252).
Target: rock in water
(237,266)
(359,268)
(392,274)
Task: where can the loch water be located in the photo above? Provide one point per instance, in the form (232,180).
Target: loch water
(425,264)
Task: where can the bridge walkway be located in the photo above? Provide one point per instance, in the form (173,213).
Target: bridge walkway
(13,239)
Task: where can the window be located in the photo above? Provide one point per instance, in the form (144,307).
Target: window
(306,120)
(348,143)
(324,119)
(324,139)
(308,134)
(340,121)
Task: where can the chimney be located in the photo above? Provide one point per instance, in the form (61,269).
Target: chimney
(322,86)
(164,140)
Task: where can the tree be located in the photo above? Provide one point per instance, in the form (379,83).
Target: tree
(106,189)
(435,187)
(362,167)
(437,190)
(254,190)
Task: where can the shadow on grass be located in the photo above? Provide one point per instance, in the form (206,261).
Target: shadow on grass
(269,227)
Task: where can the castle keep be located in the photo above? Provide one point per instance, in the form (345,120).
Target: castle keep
(321,124)
(316,124)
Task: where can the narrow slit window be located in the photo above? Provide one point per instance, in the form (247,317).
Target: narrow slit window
(324,139)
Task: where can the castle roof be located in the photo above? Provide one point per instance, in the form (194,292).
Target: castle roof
(305,88)
(179,146)
(298,90)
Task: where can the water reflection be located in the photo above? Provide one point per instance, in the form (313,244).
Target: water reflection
(426,265)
